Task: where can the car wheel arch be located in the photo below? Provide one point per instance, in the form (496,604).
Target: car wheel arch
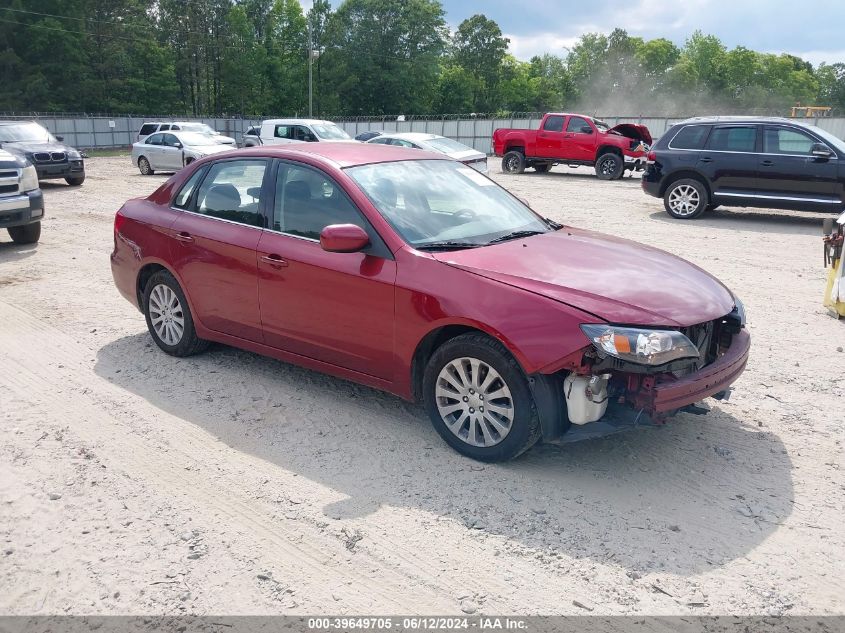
(439,335)
(604,149)
(150,268)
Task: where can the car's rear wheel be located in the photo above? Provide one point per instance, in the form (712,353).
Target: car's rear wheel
(144,166)
(169,318)
(75,181)
(26,234)
(609,166)
(478,399)
(513,162)
(542,168)
(685,199)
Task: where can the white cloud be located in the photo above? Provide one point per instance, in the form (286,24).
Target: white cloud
(817,57)
(526,46)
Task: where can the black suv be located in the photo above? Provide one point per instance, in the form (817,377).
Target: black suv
(702,163)
(51,157)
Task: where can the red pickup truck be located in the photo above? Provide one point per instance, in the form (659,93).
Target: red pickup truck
(573,139)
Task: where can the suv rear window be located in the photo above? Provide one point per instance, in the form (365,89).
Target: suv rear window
(733,139)
(690,137)
(553,124)
(148,128)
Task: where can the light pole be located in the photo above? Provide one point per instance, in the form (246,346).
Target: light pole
(310,64)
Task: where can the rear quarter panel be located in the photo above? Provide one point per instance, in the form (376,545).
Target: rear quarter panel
(506,138)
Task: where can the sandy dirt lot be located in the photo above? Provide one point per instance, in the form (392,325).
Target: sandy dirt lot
(133,482)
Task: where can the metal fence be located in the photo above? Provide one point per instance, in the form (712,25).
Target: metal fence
(104,131)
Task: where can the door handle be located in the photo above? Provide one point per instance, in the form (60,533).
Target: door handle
(274,260)
(767,163)
(183,236)
(706,159)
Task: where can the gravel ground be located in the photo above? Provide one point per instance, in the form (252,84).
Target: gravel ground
(133,482)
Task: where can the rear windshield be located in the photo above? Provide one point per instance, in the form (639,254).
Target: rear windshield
(690,137)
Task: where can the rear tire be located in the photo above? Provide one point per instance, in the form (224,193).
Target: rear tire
(75,181)
(513,162)
(610,166)
(685,199)
(144,167)
(458,377)
(169,317)
(26,234)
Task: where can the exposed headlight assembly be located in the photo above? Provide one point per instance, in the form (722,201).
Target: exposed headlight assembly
(640,346)
(29,178)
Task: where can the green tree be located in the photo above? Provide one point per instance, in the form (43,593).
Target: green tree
(479,47)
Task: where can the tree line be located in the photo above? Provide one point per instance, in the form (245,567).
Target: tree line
(369,57)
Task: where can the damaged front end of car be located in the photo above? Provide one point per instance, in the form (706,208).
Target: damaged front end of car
(631,375)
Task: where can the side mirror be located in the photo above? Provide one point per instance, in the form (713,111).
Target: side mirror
(177,145)
(586,129)
(343,238)
(60,138)
(821,150)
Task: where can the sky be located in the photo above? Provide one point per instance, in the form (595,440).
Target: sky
(812,30)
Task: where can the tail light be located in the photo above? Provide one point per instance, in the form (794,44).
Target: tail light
(651,158)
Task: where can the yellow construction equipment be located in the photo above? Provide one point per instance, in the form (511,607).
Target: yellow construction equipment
(810,111)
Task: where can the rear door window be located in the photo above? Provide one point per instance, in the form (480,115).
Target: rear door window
(553,124)
(736,138)
(577,125)
(148,128)
(780,140)
(690,137)
(282,131)
(155,139)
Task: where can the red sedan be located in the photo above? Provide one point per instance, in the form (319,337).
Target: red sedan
(415,274)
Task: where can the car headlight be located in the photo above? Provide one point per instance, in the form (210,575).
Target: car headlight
(73,154)
(29,178)
(641,346)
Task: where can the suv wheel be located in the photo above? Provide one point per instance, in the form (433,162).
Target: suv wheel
(478,399)
(144,167)
(685,199)
(513,162)
(75,181)
(169,317)
(609,166)
(26,234)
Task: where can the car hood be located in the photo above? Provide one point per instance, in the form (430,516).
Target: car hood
(220,138)
(617,280)
(205,150)
(634,131)
(23,148)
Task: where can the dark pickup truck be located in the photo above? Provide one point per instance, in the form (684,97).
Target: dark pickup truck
(21,200)
(573,139)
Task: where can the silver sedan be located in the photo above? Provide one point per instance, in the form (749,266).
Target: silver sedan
(435,143)
(170,151)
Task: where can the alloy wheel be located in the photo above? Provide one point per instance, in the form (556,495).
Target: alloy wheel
(166,314)
(608,166)
(513,164)
(474,402)
(684,200)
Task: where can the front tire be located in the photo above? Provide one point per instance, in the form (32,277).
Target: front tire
(513,162)
(26,234)
(610,166)
(75,181)
(169,317)
(144,167)
(685,199)
(478,399)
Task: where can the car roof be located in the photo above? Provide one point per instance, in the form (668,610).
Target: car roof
(411,136)
(742,119)
(343,153)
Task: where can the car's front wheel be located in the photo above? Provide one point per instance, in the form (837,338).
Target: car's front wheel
(610,166)
(75,181)
(685,199)
(478,399)
(169,318)
(144,167)
(26,234)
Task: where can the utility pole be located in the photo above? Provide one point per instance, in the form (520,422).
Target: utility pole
(310,64)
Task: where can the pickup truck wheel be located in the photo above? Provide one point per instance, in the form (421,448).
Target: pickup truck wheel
(478,399)
(609,166)
(144,167)
(169,318)
(75,181)
(513,163)
(26,234)
(685,199)
(542,168)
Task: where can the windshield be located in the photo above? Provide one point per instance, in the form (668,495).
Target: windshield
(447,145)
(837,143)
(25,132)
(201,128)
(429,201)
(329,130)
(601,125)
(194,138)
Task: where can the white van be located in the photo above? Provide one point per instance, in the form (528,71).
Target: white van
(281,131)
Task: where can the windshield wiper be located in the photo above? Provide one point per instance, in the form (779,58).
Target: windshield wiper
(514,235)
(554,226)
(445,246)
